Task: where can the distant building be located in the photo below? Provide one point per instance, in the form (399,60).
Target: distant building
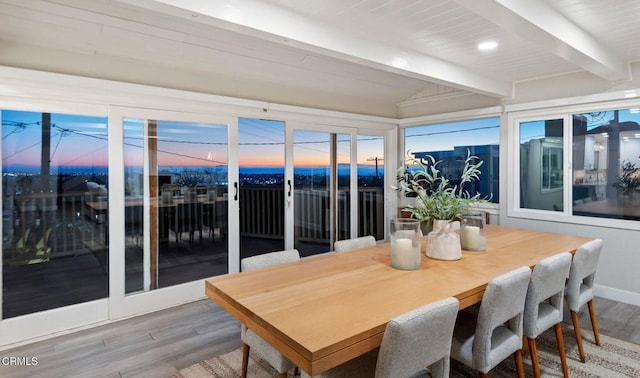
(453,163)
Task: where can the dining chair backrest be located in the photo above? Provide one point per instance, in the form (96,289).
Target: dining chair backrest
(579,289)
(355,243)
(189,215)
(499,328)
(250,340)
(417,339)
(268,259)
(543,305)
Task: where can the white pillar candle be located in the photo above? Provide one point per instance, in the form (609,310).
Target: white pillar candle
(470,237)
(403,254)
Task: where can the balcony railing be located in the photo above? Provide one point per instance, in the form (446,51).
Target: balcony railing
(58,225)
(262,213)
(37,227)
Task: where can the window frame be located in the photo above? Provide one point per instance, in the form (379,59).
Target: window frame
(58,319)
(439,119)
(546,185)
(547,110)
(514,167)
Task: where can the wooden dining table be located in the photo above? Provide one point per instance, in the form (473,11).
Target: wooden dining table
(323,311)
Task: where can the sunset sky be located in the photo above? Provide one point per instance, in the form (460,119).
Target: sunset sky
(75,140)
(82,140)
(447,136)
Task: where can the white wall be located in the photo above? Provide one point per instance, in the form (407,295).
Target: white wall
(617,276)
(629,151)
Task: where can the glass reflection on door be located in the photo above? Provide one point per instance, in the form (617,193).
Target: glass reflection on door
(181,167)
(54,190)
(541,171)
(312,174)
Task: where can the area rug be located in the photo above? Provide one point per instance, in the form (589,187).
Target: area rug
(615,358)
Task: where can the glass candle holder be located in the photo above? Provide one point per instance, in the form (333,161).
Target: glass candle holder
(472,232)
(405,244)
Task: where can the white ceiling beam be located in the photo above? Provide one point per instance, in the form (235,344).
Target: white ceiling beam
(536,21)
(262,20)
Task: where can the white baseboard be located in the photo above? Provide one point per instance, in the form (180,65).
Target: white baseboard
(617,294)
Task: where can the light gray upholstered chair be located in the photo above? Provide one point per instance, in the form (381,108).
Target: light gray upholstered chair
(251,341)
(544,304)
(411,342)
(484,340)
(579,288)
(355,243)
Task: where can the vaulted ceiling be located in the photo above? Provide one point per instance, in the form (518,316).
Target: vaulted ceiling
(363,56)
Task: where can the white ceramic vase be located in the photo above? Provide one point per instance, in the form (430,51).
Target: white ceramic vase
(443,243)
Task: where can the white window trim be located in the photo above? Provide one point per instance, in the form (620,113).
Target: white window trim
(437,119)
(563,108)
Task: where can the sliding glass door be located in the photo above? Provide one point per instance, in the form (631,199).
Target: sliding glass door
(261,149)
(127,214)
(313,174)
(53,251)
(171,217)
(322,181)
(180,169)
(328,198)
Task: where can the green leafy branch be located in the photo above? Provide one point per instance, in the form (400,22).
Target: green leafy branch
(436,197)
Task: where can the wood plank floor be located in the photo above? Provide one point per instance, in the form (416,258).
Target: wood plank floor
(161,343)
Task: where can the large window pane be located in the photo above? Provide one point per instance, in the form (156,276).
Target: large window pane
(181,167)
(54,173)
(606,154)
(262,186)
(195,158)
(312,174)
(450,143)
(371,186)
(541,165)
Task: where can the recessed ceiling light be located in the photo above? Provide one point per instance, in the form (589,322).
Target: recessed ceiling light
(487,45)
